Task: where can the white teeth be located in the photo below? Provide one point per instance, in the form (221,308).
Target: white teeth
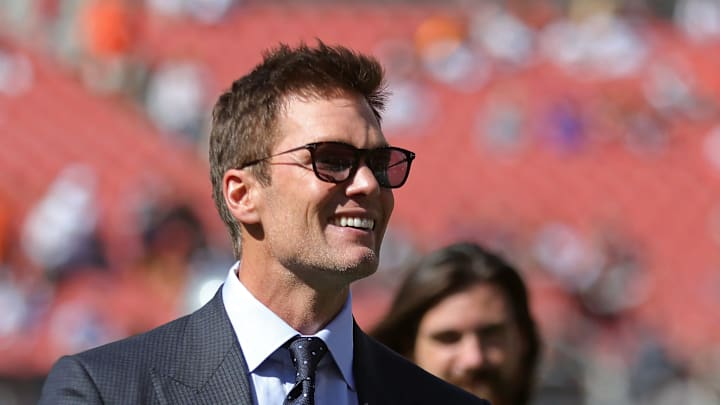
(362,223)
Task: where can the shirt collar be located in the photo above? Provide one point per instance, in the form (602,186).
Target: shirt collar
(261,332)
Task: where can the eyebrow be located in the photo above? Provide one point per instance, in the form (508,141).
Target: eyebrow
(333,140)
(488,328)
(493,327)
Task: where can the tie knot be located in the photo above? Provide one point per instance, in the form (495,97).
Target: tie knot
(306,353)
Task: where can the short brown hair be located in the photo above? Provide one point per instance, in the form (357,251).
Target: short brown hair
(244,119)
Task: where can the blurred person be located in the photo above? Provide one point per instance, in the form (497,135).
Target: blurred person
(444,49)
(60,233)
(5,215)
(462,314)
(302,177)
(172,238)
(175,98)
(109,37)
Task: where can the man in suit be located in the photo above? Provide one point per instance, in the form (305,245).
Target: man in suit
(302,176)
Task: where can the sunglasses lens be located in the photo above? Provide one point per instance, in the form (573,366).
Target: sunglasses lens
(390,166)
(334,162)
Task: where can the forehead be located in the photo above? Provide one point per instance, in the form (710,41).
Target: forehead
(474,307)
(343,117)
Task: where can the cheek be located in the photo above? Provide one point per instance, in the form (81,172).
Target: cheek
(509,353)
(389,202)
(315,199)
(496,355)
(433,357)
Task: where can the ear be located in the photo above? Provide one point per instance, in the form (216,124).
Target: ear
(240,189)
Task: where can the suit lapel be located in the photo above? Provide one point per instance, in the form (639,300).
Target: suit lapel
(210,366)
(366,381)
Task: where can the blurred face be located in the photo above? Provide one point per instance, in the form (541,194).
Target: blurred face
(318,228)
(470,339)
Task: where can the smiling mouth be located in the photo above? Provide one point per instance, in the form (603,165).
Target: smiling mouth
(354,222)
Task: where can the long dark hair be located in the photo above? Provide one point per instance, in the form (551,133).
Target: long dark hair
(448,271)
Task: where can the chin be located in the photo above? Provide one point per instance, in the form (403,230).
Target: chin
(365,265)
(361,256)
(361,265)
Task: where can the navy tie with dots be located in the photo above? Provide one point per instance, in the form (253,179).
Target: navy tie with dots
(305,353)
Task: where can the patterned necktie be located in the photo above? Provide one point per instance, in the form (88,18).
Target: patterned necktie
(305,353)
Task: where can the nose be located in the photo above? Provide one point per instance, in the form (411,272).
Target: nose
(470,353)
(363,181)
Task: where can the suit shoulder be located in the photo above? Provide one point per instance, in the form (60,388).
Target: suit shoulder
(141,348)
(126,371)
(120,369)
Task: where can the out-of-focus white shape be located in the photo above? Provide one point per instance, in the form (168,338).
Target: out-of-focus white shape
(166,7)
(500,127)
(711,148)
(16,73)
(504,36)
(684,391)
(398,249)
(563,252)
(175,97)
(666,89)
(13,301)
(201,290)
(603,46)
(699,19)
(411,106)
(456,65)
(63,218)
(208,11)
(76,326)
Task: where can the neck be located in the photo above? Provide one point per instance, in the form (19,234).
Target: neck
(306,308)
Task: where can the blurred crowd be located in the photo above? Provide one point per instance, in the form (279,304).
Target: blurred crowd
(628,75)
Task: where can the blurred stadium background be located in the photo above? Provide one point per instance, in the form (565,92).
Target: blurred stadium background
(580,138)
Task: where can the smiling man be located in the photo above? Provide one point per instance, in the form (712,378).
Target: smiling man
(303,177)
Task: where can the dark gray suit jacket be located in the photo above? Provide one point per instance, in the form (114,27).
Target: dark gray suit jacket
(196,359)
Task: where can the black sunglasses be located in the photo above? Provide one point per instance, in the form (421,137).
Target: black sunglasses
(335,162)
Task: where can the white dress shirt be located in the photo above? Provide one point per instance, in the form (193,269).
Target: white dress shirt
(262,334)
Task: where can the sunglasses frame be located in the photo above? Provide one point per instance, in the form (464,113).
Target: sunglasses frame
(359,154)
